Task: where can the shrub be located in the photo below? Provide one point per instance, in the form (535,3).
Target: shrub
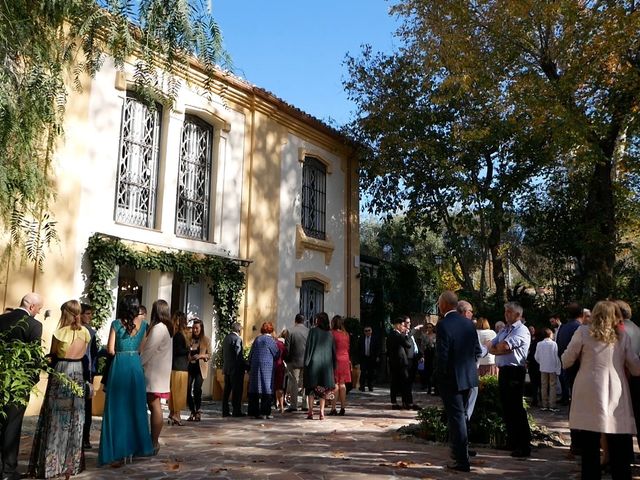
(486,426)
(21,364)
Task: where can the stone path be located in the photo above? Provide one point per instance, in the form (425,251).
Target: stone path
(362,444)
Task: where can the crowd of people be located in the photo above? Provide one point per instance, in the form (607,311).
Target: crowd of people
(591,362)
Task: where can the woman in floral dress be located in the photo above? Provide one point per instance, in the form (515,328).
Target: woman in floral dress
(57,444)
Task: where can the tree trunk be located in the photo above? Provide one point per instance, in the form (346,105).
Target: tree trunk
(498,264)
(599,234)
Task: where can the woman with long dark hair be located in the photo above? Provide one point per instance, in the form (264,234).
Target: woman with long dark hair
(179,368)
(125,428)
(57,444)
(156,361)
(199,355)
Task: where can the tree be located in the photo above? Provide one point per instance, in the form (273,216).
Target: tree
(47,45)
(484,98)
(407,274)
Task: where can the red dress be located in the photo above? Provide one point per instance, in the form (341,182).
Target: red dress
(278,364)
(343,363)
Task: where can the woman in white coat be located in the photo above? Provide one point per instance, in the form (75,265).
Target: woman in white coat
(601,399)
(156,361)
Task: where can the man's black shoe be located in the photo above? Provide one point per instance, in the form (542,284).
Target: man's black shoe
(371,389)
(226,414)
(395,406)
(86,445)
(291,409)
(361,389)
(521,453)
(458,467)
(415,407)
(238,415)
(472,453)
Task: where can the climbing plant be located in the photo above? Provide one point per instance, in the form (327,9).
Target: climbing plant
(224,277)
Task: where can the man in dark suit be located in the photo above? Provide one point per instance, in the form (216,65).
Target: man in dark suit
(457,350)
(17,325)
(397,345)
(575,315)
(89,367)
(369,356)
(233,368)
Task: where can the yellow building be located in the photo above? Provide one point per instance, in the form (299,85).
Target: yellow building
(234,172)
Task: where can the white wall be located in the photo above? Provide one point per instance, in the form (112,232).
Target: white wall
(97,172)
(311,261)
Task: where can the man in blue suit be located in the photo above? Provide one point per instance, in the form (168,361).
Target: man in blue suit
(457,350)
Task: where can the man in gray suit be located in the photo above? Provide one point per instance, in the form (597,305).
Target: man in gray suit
(17,325)
(233,368)
(296,344)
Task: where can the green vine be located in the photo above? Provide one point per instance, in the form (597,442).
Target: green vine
(225,279)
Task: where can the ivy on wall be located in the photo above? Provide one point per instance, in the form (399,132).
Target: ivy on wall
(224,278)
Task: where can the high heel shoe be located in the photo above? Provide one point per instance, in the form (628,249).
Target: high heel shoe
(321,417)
(174,421)
(333,412)
(310,415)
(198,417)
(192,418)
(341,412)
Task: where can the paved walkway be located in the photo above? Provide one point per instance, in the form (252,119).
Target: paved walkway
(362,444)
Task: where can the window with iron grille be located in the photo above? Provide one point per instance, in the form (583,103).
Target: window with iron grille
(192,210)
(311,299)
(138,163)
(314,198)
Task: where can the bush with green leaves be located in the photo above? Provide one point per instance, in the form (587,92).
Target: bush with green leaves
(486,426)
(21,364)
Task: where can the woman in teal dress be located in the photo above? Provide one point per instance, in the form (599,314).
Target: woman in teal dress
(125,426)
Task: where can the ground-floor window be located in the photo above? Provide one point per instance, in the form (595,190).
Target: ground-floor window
(311,299)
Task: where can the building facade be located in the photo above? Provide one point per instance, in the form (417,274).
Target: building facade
(234,172)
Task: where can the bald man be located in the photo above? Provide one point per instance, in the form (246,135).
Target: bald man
(17,325)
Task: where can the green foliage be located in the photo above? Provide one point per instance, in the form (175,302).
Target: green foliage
(352,326)
(405,278)
(224,277)
(46,46)
(433,423)
(486,425)
(21,365)
(461,142)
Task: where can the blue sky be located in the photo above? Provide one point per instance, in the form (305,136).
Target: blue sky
(296,49)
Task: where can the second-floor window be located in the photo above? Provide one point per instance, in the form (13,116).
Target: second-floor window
(192,209)
(314,198)
(138,163)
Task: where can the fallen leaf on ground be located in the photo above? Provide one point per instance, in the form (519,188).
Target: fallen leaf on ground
(398,464)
